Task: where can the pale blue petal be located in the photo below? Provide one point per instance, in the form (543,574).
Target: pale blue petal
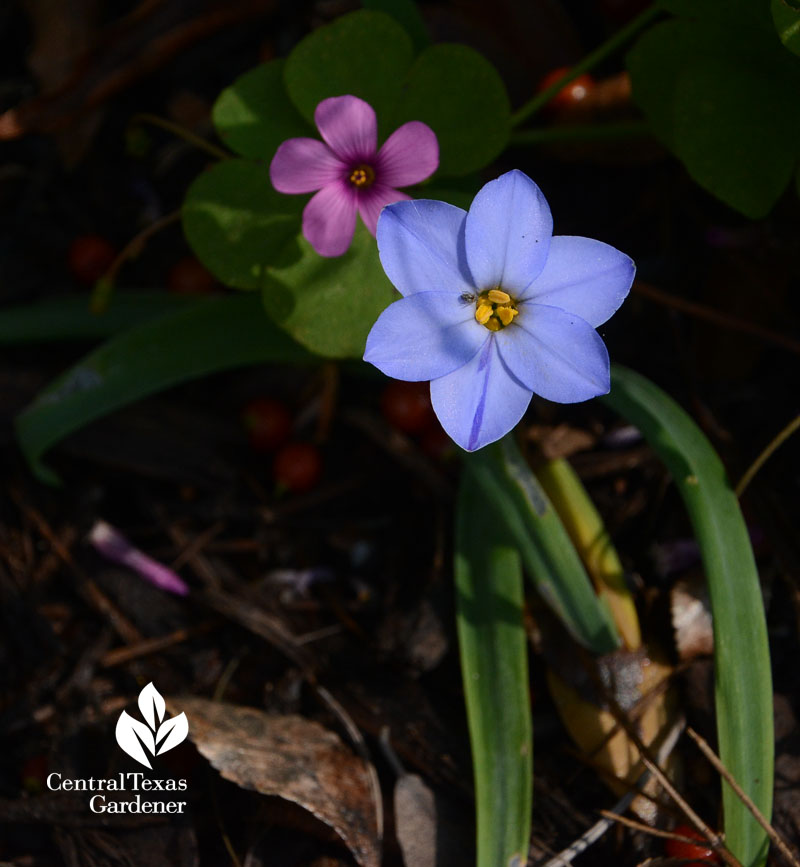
(507,233)
(557,355)
(583,276)
(421,245)
(481,401)
(424,336)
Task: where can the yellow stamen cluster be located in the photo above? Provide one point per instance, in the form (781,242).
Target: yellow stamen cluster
(362,176)
(495,309)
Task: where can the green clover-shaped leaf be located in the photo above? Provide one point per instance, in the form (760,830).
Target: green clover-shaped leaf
(786,17)
(723,98)
(460,95)
(254,115)
(238,225)
(452,88)
(329,305)
(366,54)
(405,12)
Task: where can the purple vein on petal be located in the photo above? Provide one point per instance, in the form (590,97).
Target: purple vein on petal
(483,369)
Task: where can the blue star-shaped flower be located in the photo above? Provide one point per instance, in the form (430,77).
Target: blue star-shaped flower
(495,308)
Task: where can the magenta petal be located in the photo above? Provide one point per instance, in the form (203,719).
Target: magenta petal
(329,219)
(408,156)
(348,125)
(372,201)
(302,165)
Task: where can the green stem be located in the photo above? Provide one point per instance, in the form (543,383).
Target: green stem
(580,133)
(589,62)
(181,132)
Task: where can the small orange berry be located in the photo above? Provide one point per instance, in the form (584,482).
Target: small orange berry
(571,94)
(268,424)
(703,852)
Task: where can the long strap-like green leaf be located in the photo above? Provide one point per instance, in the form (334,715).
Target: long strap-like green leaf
(741,651)
(494,666)
(68,317)
(183,344)
(514,499)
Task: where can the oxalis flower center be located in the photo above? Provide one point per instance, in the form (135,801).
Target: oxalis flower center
(362,176)
(495,309)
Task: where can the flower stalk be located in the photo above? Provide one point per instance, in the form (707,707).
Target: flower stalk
(588,63)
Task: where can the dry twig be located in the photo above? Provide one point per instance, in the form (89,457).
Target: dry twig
(566,856)
(652,765)
(773,835)
(723,320)
(87,588)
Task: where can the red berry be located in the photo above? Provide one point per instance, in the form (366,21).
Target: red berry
(569,95)
(298,467)
(407,406)
(89,257)
(189,277)
(703,852)
(268,423)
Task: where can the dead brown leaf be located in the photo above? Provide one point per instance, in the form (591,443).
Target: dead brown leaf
(293,758)
(561,441)
(691,618)
(638,683)
(432,829)
(415,821)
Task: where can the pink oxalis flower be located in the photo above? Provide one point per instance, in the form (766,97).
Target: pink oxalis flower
(349,171)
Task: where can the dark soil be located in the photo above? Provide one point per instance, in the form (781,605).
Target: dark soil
(359,568)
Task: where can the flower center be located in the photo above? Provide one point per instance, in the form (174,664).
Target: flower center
(495,309)
(362,176)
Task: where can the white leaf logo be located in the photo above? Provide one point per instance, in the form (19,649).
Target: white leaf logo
(173,732)
(152,705)
(133,736)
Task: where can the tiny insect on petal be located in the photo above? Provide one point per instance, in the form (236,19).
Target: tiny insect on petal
(531,302)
